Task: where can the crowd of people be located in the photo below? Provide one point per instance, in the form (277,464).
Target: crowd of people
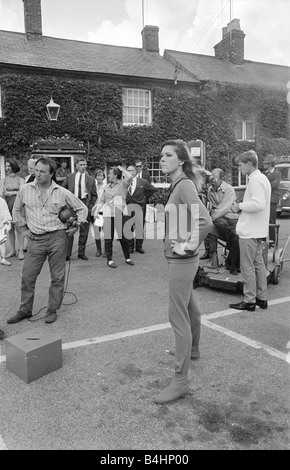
(49,206)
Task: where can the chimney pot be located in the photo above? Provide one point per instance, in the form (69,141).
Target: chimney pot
(231,47)
(150,38)
(234,24)
(32,20)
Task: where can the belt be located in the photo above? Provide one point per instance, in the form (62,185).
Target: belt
(45,233)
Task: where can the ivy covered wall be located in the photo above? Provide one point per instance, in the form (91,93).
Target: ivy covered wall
(91,112)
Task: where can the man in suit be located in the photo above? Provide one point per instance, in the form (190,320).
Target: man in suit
(274,176)
(142,172)
(83,186)
(138,194)
(31,170)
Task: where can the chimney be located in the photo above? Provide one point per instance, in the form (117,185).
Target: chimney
(231,47)
(32,20)
(150,39)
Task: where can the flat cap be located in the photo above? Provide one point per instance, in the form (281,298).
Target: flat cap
(269,159)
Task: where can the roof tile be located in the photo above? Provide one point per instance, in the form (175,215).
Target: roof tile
(205,67)
(65,54)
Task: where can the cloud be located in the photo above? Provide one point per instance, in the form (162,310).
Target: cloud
(11,16)
(185,25)
(127,32)
(196,26)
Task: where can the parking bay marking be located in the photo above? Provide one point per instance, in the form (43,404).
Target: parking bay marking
(205,320)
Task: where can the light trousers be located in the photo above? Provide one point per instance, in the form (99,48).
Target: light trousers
(184,313)
(253,269)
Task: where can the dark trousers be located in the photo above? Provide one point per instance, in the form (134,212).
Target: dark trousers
(52,246)
(83,237)
(110,223)
(227,231)
(138,227)
(272,220)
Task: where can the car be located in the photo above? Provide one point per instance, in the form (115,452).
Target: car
(283,165)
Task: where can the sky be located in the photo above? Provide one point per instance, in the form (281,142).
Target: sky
(184,25)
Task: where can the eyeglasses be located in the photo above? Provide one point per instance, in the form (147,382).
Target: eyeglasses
(138,166)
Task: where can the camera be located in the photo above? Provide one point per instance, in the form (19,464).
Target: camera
(68,216)
(209,178)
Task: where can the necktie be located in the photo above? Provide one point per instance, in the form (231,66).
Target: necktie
(131,189)
(80,187)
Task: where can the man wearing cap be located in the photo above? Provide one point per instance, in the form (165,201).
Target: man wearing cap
(274,176)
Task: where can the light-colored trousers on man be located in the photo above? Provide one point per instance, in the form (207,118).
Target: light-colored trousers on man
(184,313)
(253,269)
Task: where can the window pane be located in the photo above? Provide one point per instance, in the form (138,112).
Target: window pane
(235,176)
(243,179)
(125,97)
(147,99)
(249,130)
(137,104)
(239,130)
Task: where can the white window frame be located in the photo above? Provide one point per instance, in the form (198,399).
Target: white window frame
(137,107)
(156,173)
(240,185)
(244,130)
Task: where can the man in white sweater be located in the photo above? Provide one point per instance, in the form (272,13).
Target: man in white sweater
(252,227)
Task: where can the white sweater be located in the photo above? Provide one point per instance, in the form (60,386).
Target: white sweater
(254,218)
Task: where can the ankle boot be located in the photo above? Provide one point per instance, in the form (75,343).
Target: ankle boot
(99,248)
(194,355)
(176,389)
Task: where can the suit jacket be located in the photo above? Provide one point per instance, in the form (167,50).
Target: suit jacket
(90,182)
(29,178)
(145,175)
(274,178)
(142,193)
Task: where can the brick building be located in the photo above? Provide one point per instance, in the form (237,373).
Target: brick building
(121,102)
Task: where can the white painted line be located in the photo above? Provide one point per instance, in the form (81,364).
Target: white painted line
(111,337)
(164,326)
(247,341)
(114,336)
(232,311)
(2,444)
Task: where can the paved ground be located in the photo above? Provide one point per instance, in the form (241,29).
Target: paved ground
(115,360)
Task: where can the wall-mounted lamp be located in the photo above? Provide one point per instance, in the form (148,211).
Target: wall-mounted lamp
(52,110)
